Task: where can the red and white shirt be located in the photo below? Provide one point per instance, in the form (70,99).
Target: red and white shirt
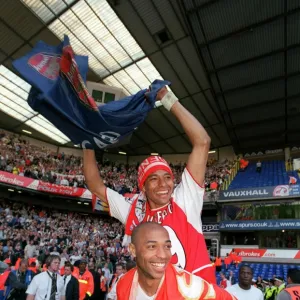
(182,219)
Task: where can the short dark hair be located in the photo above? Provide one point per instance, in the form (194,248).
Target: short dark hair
(51,258)
(69,265)
(294,275)
(245,266)
(130,265)
(120,265)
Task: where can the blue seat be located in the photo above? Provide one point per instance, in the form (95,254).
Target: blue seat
(273,173)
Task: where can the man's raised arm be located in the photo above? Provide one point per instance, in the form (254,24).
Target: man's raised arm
(92,176)
(198,136)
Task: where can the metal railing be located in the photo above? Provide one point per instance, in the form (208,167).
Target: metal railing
(232,174)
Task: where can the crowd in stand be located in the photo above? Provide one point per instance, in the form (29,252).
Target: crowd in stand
(37,233)
(19,157)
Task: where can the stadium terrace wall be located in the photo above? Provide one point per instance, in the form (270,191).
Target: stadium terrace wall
(247,252)
(268,192)
(71,151)
(260,225)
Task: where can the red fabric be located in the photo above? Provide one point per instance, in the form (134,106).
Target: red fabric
(33,269)
(191,241)
(62,271)
(7,261)
(223,284)
(17,265)
(3,278)
(177,285)
(218,262)
(103,284)
(151,165)
(213,185)
(227,260)
(238,259)
(233,256)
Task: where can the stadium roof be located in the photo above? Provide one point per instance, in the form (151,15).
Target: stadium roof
(234,64)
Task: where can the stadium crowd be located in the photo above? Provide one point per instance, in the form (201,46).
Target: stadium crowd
(21,158)
(36,234)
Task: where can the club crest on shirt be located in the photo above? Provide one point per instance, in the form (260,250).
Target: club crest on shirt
(47,65)
(140,209)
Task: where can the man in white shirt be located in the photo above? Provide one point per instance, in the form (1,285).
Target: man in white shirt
(106,271)
(112,295)
(244,290)
(30,249)
(71,283)
(75,257)
(47,285)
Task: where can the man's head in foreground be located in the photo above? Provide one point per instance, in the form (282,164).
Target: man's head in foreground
(82,266)
(68,269)
(293,276)
(156,180)
(151,246)
(245,277)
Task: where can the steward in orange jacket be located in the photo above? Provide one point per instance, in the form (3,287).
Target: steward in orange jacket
(86,281)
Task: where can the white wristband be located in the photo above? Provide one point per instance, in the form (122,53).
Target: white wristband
(169,100)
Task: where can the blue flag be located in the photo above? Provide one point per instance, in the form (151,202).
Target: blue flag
(59,93)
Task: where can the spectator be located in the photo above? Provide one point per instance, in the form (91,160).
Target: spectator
(258,167)
(279,283)
(103,286)
(71,284)
(30,249)
(47,284)
(112,295)
(24,277)
(223,283)
(244,290)
(106,272)
(231,278)
(86,281)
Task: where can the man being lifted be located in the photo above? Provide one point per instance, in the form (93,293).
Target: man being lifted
(178,210)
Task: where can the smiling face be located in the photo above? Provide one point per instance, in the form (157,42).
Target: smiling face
(158,188)
(152,250)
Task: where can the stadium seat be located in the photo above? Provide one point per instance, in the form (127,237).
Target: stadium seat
(272,173)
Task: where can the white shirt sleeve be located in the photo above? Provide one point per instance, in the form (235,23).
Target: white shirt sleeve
(189,196)
(33,286)
(118,205)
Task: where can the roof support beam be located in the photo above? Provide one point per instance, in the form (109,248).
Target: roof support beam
(182,6)
(248,60)
(285,71)
(249,27)
(258,83)
(268,120)
(202,6)
(260,104)
(166,58)
(27,42)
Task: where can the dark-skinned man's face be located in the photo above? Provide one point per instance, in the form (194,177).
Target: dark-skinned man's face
(245,276)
